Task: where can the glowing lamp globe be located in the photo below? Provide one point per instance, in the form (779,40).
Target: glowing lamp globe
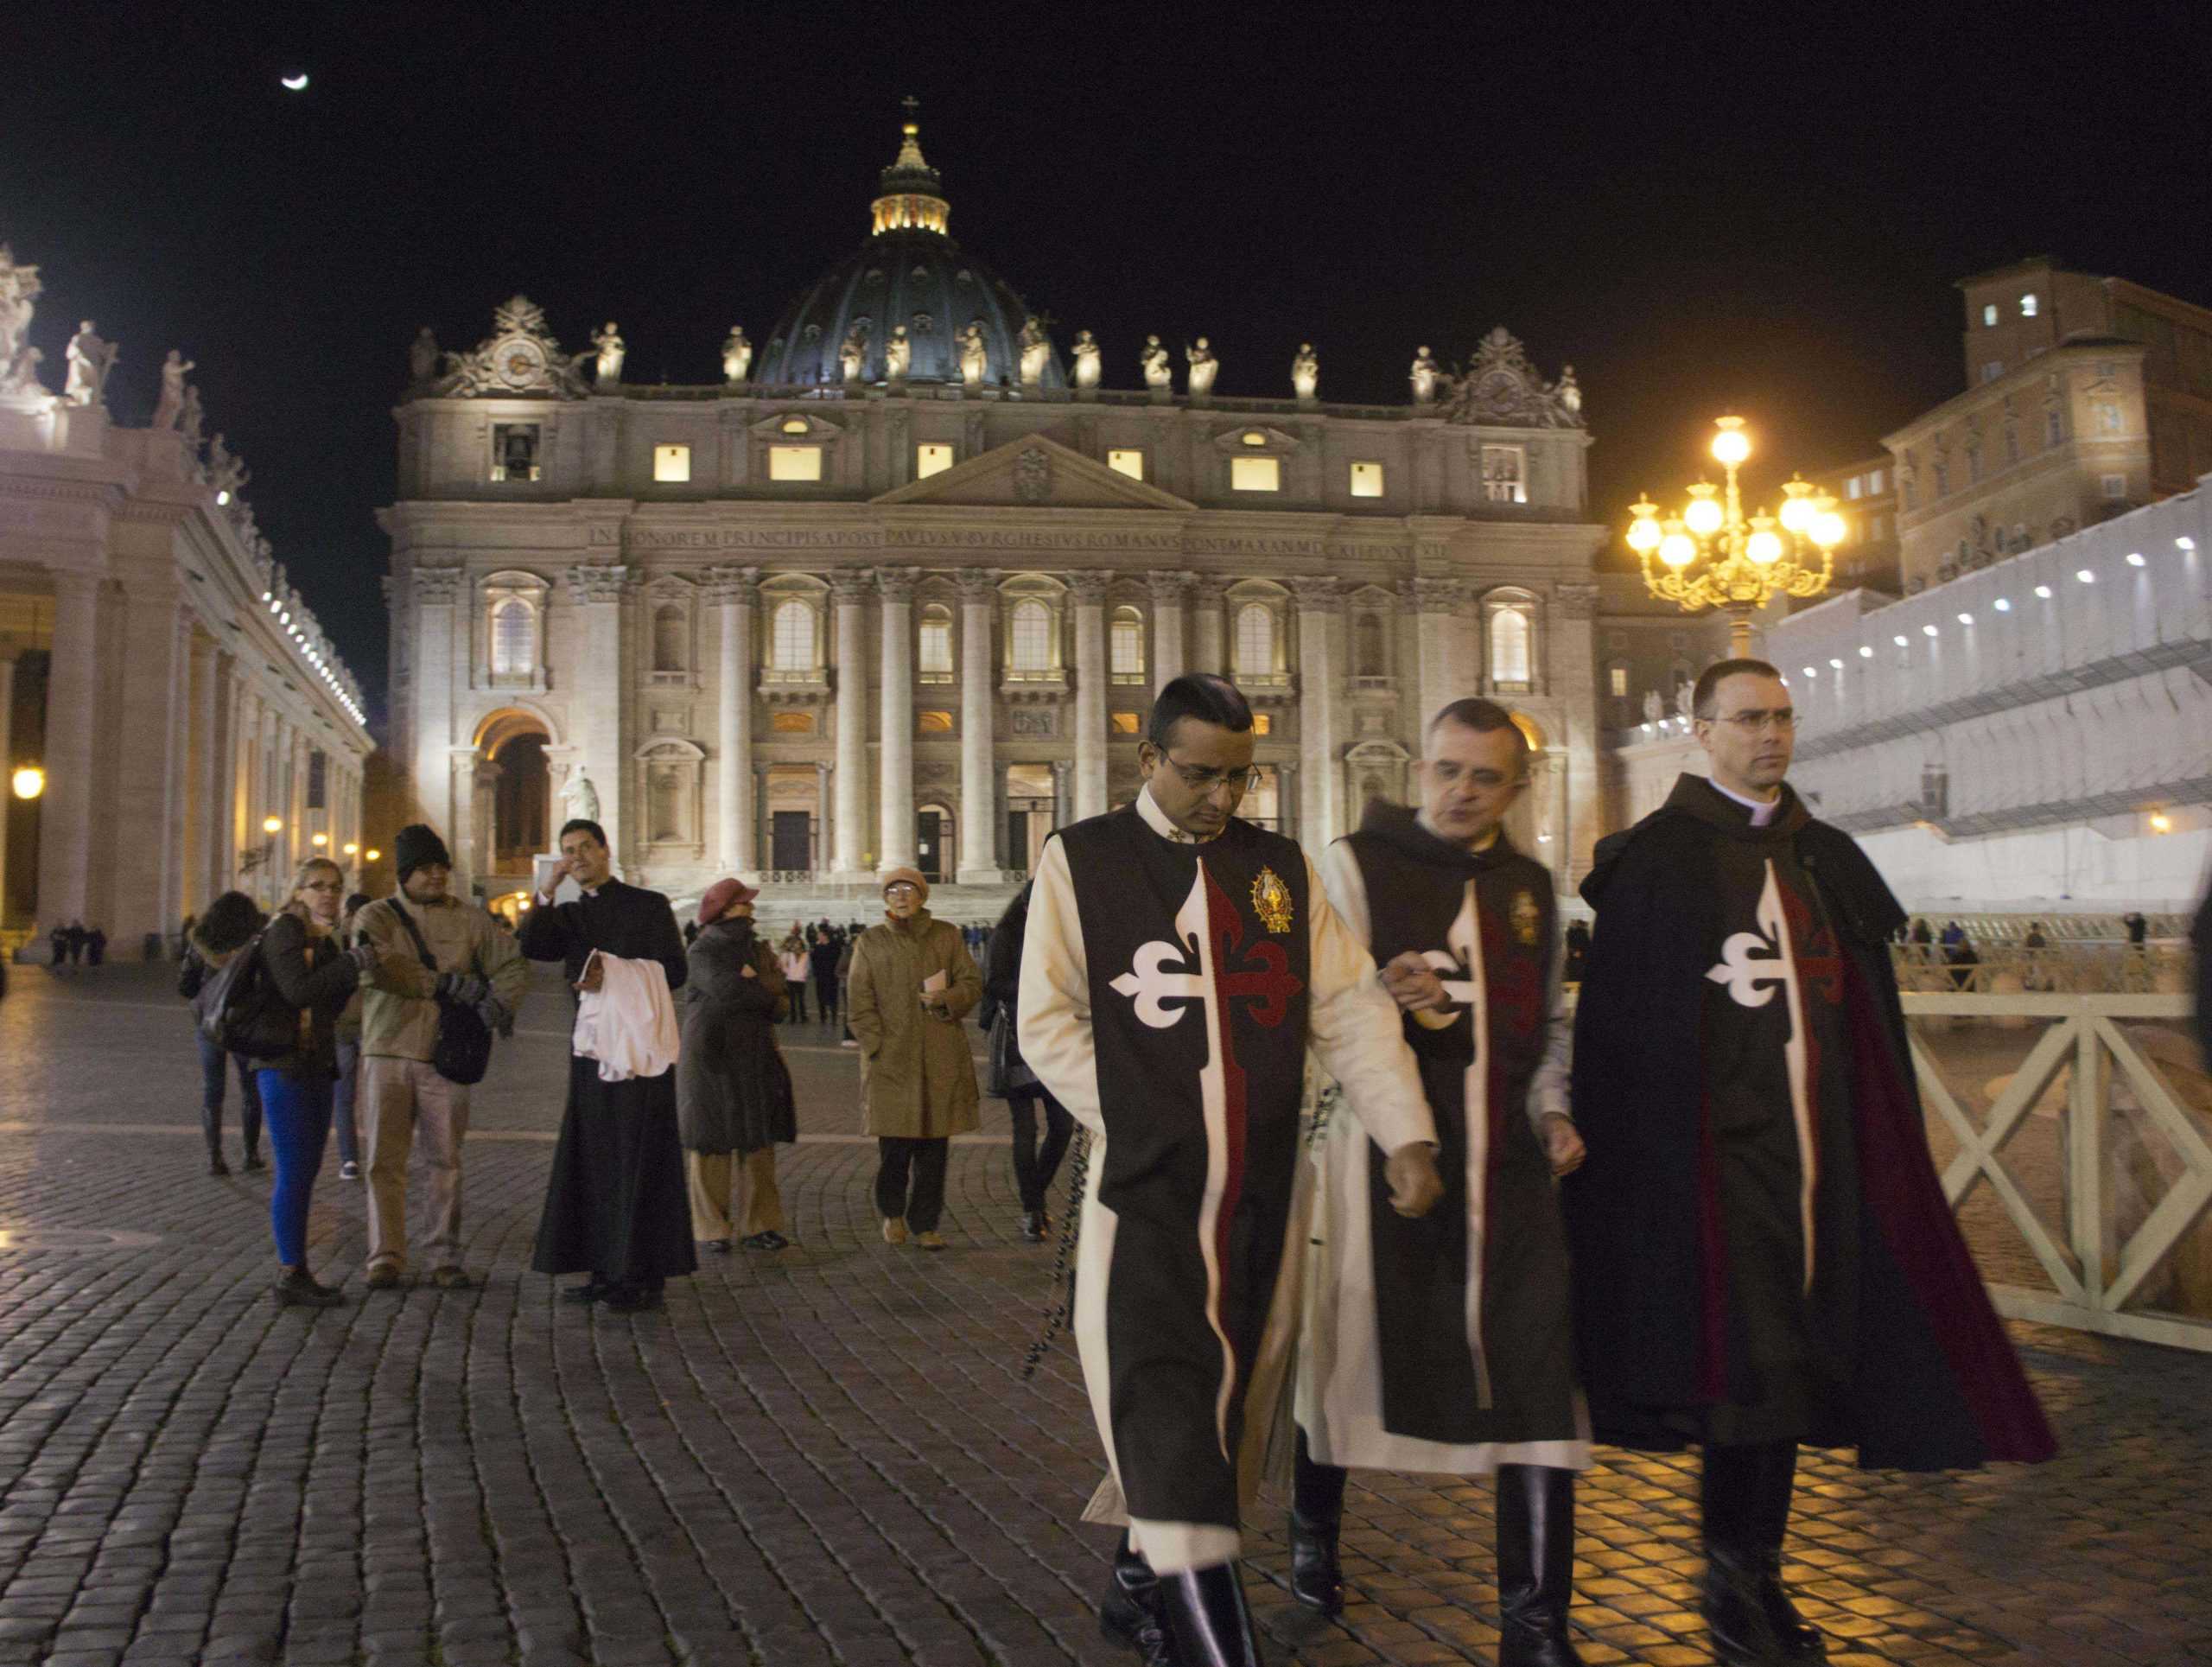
(1827,529)
(1703,514)
(321,840)
(270,825)
(1731,445)
(28,782)
(351,849)
(1643,535)
(1765,547)
(371,854)
(1798,509)
(1678,549)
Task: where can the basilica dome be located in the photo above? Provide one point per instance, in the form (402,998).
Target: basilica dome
(909,274)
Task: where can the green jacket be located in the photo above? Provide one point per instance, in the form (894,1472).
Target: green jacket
(399,1013)
(917,1078)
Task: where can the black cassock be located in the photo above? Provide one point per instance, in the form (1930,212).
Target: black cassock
(615,1205)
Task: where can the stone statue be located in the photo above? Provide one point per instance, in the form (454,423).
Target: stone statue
(1424,378)
(1203,365)
(1685,698)
(1306,373)
(423,357)
(190,418)
(19,288)
(170,406)
(1654,707)
(852,353)
(90,360)
(737,356)
(1155,360)
(22,375)
(1036,351)
(611,349)
(1569,391)
(226,472)
(581,796)
(1086,352)
(898,354)
(975,358)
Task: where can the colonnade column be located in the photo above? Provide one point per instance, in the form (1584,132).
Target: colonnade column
(734,587)
(850,591)
(7,763)
(894,845)
(1320,813)
(1571,673)
(597,731)
(1089,592)
(206,808)
(818,851)
(1438,679)
(1167,593)
(437,594)
(980,829)
(1208,652)
(64,845)
(147,766)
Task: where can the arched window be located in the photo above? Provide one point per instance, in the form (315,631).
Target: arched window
(668,638)
(1125,638)
(1367,647)
(1253,650)
(514,639)
(1509,646)
(935,655)
(791,646)
(1033,636)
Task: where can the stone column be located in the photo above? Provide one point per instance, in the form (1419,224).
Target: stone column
(1089,590)
(850,591)
(1062,798)
(818,850)
(894,842)
(65,845)
(1438,678)
(1286,797)
(595,728)
(1320,810)
(441,665)
(144,743)
(1571,672)
(7,763)
(1208,650)
(206,808)
(734,588)
(981,863)
(1168,590)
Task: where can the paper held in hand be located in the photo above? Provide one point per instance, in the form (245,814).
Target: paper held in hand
(934,984)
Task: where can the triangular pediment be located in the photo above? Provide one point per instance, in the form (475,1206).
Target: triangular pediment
(1033,473)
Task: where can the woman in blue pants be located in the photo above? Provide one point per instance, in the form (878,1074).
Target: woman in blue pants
(311,977)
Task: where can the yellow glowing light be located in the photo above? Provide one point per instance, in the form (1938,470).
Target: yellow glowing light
(1703,515)
(2161,823)
(1677,548)
(1644,534)
(270,825)
(29,781)
(1798,509)
(1731,445)
(371,854)
(1764,546)
(320,840)
(351,849)
(523,907)
(1827,529)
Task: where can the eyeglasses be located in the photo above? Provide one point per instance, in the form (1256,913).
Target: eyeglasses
(1757,723)
(1207,781)
(322,884)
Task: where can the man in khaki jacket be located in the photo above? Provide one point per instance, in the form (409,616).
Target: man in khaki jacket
(479,966)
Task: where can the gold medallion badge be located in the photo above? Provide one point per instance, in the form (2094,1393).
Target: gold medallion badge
(1271,901)
(1526,919)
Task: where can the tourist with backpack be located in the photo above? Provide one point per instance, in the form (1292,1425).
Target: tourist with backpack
(226,927)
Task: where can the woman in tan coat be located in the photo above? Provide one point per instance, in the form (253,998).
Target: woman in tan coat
(913,983)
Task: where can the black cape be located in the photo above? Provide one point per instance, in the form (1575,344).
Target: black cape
(615,1205)
(1928,1379)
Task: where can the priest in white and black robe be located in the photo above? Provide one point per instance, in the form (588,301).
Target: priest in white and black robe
(1763,1253)
(1445,1346)
(1179,961)
(617,1206)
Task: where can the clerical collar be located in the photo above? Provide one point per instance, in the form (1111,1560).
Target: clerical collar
(1156,819)
(1487,843)
(1763,810)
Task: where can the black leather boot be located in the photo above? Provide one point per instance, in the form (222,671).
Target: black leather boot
(1535,1566)
(1317,1514)
(1207,1624)
(1129,1612)
(1747,1492)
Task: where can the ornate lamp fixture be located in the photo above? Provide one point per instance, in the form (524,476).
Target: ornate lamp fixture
(1714,555)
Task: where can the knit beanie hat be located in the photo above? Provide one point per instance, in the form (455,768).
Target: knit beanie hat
(719,897)
(416,845)
(912,877)
(227,924)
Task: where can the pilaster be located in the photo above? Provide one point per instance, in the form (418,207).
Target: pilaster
(733,589)
(981,829)
(597,592)
(1089,590)
(848,593)
(894,846)
(65,845)
(1168,591)
(1321,812)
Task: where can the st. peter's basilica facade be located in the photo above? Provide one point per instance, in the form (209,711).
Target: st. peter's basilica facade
(898,589)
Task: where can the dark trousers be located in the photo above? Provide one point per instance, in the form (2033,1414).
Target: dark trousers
(796,988)
(1034,1165)
(825,999)
(214,1065)
(349,1081)
(925,1159)
(299,1127)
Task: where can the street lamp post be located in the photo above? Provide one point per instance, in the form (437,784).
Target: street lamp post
(1714,555)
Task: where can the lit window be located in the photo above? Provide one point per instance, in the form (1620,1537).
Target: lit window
(2112,488)
(1124,723)
(1620,682)
(1255,474)
(1509,646)
(1988,314)
(933,723)
(1254,652)
(1253,437)
(1874,482)
(794,462)
(792,724)
(794,425)
(1503,474)
(1367,480)
(1125,640)
(1126,461)
(1851,486)
(513,640)
(2028,305)
(791,646)
(1263,723)
(671,462)
(930,458)
(514,451)
(936,644)
(1031,647)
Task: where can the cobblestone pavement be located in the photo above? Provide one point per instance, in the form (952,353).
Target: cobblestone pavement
(826,1456)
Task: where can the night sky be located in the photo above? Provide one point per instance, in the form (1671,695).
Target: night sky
(1702,209)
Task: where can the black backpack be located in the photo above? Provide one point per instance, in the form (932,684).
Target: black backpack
(462,1052)
(240,1011)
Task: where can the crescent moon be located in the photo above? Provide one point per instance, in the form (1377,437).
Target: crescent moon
(294,83)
